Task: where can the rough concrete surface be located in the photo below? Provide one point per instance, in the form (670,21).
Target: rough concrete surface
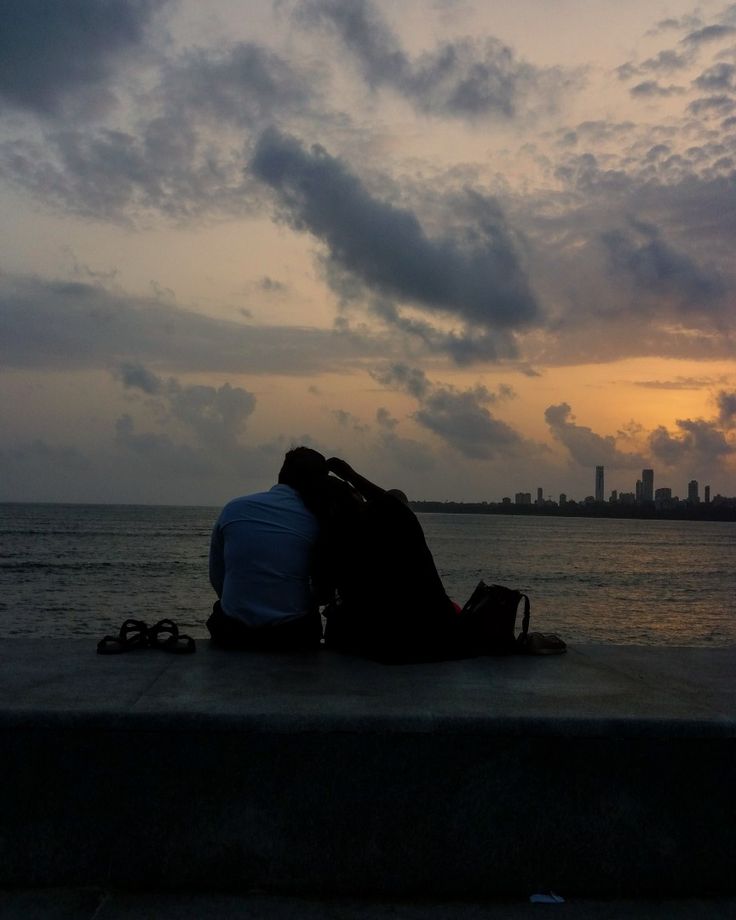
(93,904)
(589,690)
(604,773)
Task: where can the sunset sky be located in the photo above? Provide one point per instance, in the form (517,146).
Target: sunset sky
(474,248)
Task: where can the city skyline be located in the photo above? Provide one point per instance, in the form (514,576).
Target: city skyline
(469,247)
(644,491)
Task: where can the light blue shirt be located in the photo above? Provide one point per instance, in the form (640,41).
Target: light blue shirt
(261,556)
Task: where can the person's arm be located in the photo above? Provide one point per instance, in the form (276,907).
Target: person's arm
(217,560)
(343,470)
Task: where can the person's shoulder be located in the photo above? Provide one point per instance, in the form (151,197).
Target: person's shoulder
(243,501)
(239,499)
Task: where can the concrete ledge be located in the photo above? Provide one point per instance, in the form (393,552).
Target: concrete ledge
(607,772)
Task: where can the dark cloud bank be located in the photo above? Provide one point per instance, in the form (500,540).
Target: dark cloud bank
(53,51)
(477,278)
(47,324)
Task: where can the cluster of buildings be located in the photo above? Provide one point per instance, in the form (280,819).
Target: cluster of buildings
(644,494)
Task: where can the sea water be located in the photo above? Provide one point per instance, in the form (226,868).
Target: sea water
(80,570)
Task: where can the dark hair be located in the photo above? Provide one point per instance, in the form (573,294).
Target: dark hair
(305,470)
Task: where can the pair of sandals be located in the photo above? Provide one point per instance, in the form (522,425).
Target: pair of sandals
(135,634)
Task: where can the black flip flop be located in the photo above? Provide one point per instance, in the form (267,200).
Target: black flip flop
(133,635)
(165,636)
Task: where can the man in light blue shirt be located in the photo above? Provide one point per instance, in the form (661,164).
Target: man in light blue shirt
(262,554)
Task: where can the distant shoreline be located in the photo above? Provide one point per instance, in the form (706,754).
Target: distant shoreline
(700,512)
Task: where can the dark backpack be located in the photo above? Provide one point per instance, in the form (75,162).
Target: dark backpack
(490,618)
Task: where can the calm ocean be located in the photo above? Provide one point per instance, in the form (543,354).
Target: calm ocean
(80,570)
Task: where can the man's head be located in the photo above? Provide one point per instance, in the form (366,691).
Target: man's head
(303,469)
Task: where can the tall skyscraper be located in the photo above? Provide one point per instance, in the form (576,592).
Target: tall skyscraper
(599,483)
(647,485)
(692,492)
(707,495)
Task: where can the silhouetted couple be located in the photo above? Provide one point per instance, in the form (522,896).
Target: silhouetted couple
(325,536)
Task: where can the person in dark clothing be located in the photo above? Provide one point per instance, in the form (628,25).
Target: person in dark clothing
(390,601)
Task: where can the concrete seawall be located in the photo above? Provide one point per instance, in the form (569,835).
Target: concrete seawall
(607,772)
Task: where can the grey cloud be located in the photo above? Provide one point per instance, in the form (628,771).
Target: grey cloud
(477,276)
(216,414)
(242,85)
(708,34)
(165,162)
(361,28)
(50,51)
(601,131)
(586,174)
(164,168)
(464,347)
(627,71)
(715,106)
(271,286)
(698,442)
(720,76)
(48,324)
(610,337)
(670,285)
(727,408)
(658,151)
(474,78)
(407,453)
(655,267)
(680,383)
(207,424)
(651,88)
(664,447)
(385,419)
(466,78)
(461,419)
(411,380)
(458,417)
(346,419)
(136,376)
(690,21)
(585,447)
(667,60)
